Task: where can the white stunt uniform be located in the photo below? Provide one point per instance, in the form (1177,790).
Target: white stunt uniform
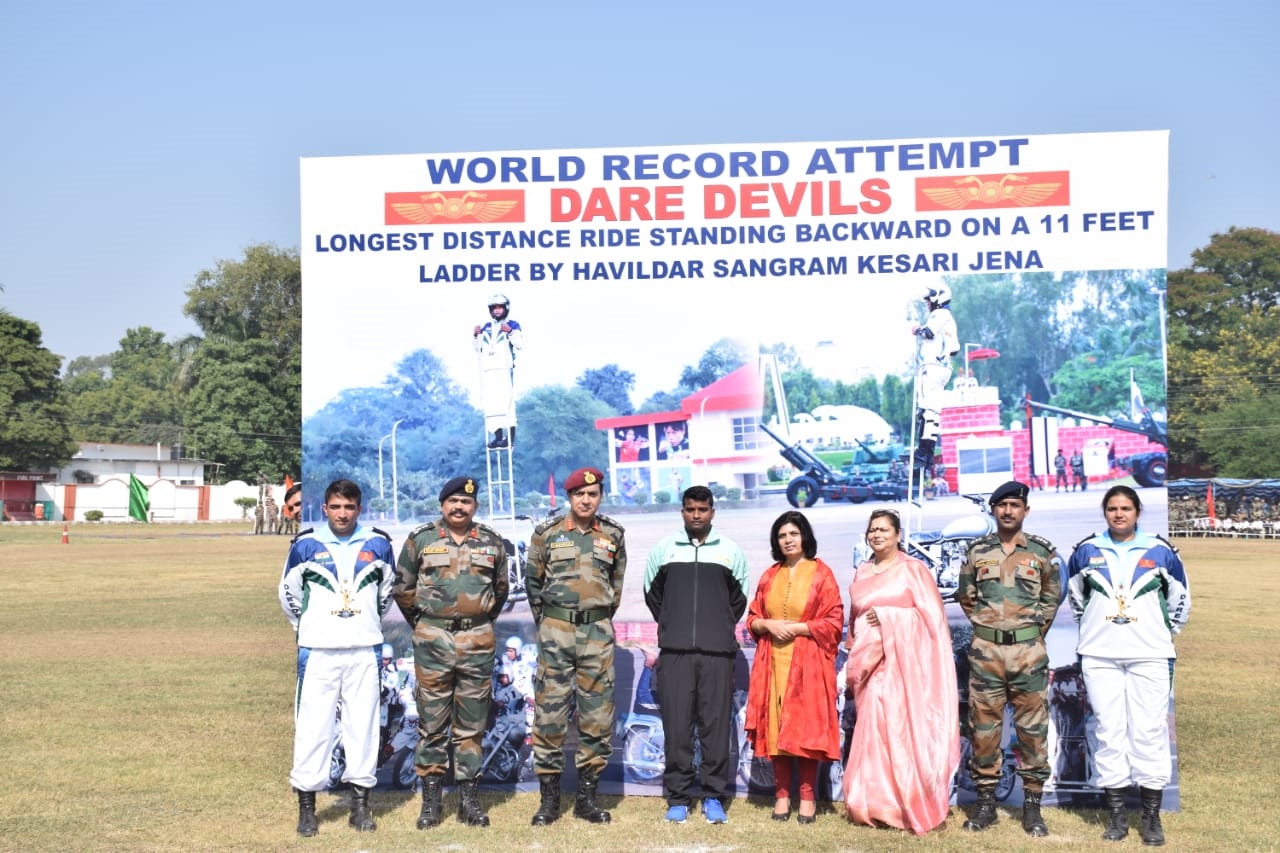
(497,352)
(1130,599)
(334,593)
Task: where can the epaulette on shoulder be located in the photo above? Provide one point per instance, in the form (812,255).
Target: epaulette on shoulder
(548,524)
(384,534)
(1041,541)
(604,519)
(421,527)
(1167,543)
(302,533)
(983,540)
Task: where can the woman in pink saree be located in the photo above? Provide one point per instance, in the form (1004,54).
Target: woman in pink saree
(901,671)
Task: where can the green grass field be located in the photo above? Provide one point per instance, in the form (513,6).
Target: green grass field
(146,675)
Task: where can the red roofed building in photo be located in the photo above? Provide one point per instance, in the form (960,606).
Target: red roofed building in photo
(713,438)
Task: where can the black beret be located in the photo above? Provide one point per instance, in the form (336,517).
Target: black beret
(1011,489)
(465,485)
(583,477)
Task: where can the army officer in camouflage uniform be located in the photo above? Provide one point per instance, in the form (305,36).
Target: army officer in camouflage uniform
(451,583)
(1010,589)
(574,578)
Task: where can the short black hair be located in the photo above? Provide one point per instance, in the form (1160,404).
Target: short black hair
(344,488)
(291,491)
(701,494)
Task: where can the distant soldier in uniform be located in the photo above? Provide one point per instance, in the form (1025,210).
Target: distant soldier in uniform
(1077,472)
(259,518)
(451,583)
(574,577)
(273,516)
(1010,589)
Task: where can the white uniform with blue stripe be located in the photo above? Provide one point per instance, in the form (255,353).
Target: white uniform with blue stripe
(1130,599)
(334,592)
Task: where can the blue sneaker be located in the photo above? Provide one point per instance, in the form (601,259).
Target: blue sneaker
(713,811)
(677,814)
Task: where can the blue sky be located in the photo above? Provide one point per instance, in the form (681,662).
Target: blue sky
(145,141)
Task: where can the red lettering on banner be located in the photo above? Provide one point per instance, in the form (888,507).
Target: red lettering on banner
(632,204)
(825,198)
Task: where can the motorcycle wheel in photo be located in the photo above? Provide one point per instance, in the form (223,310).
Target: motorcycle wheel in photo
(643,751)
(1008,771)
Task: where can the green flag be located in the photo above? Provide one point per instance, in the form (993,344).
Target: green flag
(138,503)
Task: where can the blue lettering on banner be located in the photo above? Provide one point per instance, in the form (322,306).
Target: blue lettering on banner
(520,170)
(528,239)
(904,229)
(394,242)
(709,164)
(781,267)
(917,156)
(468,272)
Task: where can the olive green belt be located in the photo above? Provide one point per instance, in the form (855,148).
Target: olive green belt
(455,623)
(575,617)
(1006,638)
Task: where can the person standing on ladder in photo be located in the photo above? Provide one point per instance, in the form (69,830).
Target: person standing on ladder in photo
(938,343)
(496,342)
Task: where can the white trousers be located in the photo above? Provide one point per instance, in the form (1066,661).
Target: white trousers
(324,677)
(932,382)
(1130,700)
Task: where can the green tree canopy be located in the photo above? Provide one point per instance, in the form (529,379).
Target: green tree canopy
(1224,348)
(610,385)
(33,431)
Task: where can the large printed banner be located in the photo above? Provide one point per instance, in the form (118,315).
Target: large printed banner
(643,258)
(650,252)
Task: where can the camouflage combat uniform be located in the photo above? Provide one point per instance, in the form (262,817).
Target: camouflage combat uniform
(574,581)
(1011,600)
(451,594)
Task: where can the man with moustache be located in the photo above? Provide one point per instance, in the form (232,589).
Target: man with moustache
(574,578)
(451,583)
(1010,589)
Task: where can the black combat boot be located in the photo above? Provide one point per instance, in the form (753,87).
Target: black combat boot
(361,818)
(549,809)
(922,459)
(584,806)
(512,438)
(1032,822)
(432,809)
(1118,826)
(499,439)
(1151,831)
(469,811)
(307,824)
(985,814)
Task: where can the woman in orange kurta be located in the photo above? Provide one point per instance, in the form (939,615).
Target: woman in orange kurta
(906,742)
(797,617)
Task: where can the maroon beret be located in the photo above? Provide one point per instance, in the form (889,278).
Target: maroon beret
(583,477)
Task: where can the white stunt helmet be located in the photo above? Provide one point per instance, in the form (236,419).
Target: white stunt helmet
(514,643)
(940,295)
